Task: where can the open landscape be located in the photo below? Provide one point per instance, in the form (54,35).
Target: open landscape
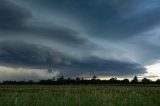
(80,95)
(79,52)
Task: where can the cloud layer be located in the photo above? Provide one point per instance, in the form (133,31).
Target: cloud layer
(79,38)
(25,55)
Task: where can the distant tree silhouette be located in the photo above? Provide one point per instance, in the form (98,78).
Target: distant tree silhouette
(94,80)
(145,80)
(113,80)
(68,79)
(30,82)
(78,79)
(94,77)
(125,81)
(82,78)
(61,78)
(135,80)
(158,81)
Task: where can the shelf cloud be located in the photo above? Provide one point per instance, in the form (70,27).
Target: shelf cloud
(79,38)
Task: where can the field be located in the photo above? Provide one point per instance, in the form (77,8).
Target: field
(79,95)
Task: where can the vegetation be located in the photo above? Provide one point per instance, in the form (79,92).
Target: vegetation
(80,95)
(74,81)
(80,92)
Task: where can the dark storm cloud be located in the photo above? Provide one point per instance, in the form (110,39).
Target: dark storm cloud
(29,55)
(112,19)
(12,16)
(95,66)
(17,19)
(60,34)
(49,32)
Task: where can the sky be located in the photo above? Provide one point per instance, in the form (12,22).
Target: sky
(41,39)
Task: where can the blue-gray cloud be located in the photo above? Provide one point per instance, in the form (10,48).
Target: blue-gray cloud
(17,19)
(87,36)
(108,18)
(12,16)
(19,54)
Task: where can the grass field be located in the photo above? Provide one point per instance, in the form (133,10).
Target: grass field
(79,95)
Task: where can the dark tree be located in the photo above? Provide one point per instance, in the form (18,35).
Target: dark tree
(53,79)
(145,80)
(135,80)
(158,81)
(78,79)
(60,78)
(94,77)
(69,79)
(82,78)
(125,81)
(113,80)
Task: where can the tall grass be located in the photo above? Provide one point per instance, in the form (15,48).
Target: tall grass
(79,95)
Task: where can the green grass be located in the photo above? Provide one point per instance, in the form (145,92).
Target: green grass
(79,95)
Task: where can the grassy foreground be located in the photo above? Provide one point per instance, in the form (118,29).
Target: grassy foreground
(79,95)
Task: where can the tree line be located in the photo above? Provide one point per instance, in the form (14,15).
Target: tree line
(94,80)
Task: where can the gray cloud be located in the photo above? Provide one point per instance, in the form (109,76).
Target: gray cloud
(101,67)
(83,37)
(29,55)
(12,15)
(11,73)
(15,18)
(108,18)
